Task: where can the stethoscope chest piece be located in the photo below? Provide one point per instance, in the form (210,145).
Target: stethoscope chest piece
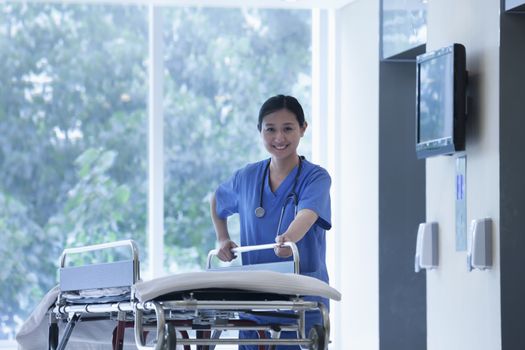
(259,212)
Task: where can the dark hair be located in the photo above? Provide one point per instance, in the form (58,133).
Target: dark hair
(278,102)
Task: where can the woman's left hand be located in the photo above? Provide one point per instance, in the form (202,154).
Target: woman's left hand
(280,250)
(298,228)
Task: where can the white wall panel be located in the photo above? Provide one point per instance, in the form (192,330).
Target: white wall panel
(463,308)
(357,156)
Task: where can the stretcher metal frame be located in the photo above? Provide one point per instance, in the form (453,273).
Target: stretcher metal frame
(172,319)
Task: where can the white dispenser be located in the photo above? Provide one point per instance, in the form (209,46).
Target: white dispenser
(427,246)
(479,252)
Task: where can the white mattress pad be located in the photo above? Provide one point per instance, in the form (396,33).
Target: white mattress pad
(253,281)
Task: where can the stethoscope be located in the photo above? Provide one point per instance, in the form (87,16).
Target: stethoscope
(260,211)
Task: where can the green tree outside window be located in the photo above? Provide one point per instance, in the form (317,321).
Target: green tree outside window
(73,126)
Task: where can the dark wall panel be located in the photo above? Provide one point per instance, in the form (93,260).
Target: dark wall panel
(402,292)
(512,179)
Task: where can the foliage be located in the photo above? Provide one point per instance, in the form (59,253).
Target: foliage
(73,120)
(28,257)
(72,148)
(216,81)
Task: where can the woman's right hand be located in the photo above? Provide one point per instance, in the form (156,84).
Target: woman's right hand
(225,250)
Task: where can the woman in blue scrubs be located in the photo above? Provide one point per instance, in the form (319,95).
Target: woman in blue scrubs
(259,191)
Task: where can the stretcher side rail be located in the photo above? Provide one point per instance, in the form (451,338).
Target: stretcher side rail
(128,242)
(122,273)
(188,305)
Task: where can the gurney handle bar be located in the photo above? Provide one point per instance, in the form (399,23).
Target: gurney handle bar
(292,245)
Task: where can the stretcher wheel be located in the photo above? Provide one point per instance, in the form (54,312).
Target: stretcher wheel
(317,336)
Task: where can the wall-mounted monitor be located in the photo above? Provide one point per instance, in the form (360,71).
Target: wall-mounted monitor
(441,101)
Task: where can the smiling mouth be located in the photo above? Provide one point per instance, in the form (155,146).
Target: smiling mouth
(280,148)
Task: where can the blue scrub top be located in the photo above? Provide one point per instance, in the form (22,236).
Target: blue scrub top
(240,194)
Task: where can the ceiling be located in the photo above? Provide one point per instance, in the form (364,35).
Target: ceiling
(298,4)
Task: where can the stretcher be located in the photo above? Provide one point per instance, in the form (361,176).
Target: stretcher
(188,309)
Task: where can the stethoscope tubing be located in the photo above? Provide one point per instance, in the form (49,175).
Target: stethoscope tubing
(283,210)
(260,211)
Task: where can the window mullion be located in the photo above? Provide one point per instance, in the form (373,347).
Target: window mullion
(155,144)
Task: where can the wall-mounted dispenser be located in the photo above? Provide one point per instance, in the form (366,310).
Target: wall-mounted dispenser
(479,253)
(427,246)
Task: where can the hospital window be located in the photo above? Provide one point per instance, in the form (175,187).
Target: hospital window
(74,127)
(220,65)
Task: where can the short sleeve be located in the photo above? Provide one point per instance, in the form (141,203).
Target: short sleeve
(316,196)
(227,197)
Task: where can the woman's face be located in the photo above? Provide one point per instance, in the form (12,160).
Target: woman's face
(281,133)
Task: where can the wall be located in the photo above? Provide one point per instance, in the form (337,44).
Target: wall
(463,308)
(402,296)
(512,173)
(357,154)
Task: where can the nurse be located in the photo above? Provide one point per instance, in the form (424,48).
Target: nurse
(284,198)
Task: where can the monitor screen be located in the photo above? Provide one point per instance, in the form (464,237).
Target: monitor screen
(436,98)
(440,101)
